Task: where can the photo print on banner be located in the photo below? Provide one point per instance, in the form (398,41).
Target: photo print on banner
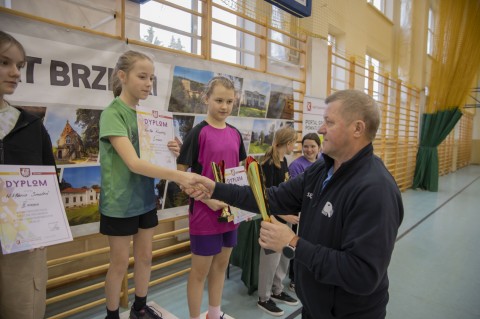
(74,128)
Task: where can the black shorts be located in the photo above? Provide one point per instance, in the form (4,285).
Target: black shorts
(113,226)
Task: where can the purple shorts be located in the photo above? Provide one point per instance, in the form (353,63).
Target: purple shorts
(210,245)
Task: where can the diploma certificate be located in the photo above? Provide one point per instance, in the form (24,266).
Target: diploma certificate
(155,130)
(238,176)
(31,208)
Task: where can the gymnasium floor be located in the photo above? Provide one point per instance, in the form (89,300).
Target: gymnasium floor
(434,272)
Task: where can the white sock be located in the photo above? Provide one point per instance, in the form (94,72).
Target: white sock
(214,312)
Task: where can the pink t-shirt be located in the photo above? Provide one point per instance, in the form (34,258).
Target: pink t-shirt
(203,145)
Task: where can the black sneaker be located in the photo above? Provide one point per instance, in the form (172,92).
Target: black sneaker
(146,312)
(270,307)
(285,298)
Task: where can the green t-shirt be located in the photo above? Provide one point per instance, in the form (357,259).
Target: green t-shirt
(123,193)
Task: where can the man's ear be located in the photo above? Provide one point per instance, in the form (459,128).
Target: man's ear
(359,128)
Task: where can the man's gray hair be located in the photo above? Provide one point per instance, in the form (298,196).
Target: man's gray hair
(356,105)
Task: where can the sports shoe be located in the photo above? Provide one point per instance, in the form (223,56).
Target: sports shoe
(146,312)
(285,298)
(270,307)
(291,286)
(221,317)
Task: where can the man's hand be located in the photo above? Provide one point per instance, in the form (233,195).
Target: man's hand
(275,235)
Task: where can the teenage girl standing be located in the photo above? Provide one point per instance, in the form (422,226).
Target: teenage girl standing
(211,241)
(23,141)
(127,197)
(273,267)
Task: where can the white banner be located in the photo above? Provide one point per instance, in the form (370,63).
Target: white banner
(313,109)
(61,73)
(313,105)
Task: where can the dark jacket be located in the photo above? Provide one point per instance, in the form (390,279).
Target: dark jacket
(28,143)
(347,233)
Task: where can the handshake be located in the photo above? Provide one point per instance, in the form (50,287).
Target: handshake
(273,234)
(200,187)
(196,186)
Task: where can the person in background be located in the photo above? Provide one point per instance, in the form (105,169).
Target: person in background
(351,211)
(23,141)
(311,147)
(272,267)
(211,240)
(127,198)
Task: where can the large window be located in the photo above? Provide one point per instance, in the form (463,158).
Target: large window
(339,66)
(176,25)
(386,7)
(225,38)
(379,4)
(372,64)
(332,40)
(430,32)
(282,46)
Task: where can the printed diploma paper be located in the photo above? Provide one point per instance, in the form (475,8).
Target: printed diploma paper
(31,208)
(237,175)
(155,130)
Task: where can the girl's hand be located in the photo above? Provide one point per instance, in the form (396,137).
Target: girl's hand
(214,204)
(174,147)
(196,186)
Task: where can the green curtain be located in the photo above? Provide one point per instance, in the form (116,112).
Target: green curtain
(435,128)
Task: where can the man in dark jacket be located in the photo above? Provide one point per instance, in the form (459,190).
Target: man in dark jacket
(351,211)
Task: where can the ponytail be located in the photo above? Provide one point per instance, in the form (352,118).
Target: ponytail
(282,137)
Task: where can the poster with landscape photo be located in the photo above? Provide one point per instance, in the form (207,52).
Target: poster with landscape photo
(280,105)
(74,133)
(245,127)
(262,136)
(80,190)
(255,97)
(187,88)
